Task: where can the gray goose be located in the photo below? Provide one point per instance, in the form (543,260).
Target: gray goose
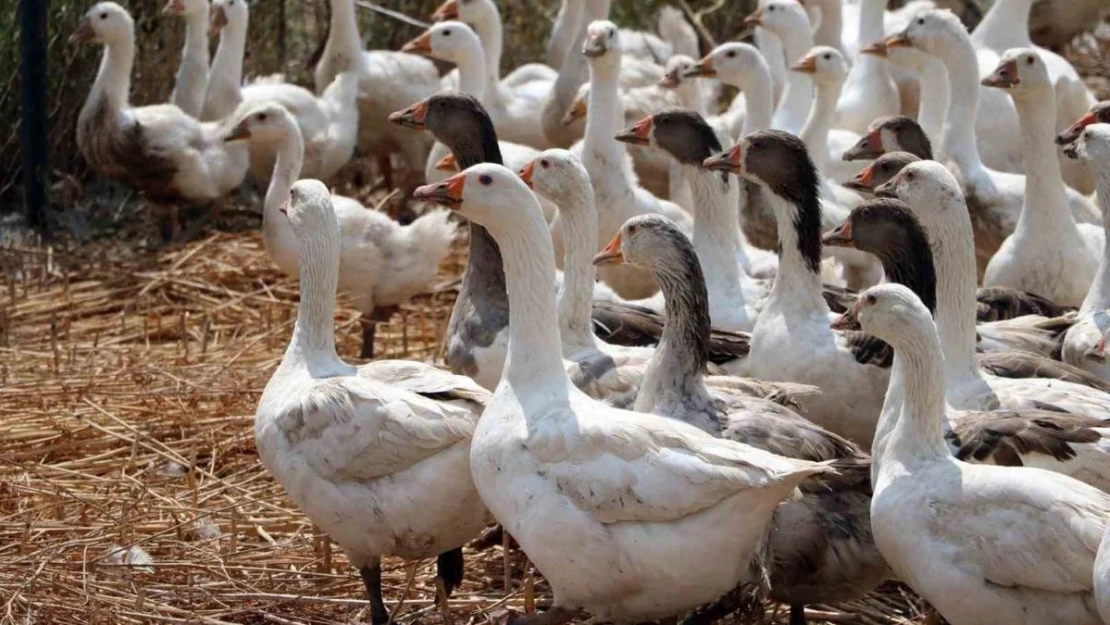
(820,548)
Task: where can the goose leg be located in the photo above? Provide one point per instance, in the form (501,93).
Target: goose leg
(372,579)
(368,328)
(449,568)
(797,614)
(740,599)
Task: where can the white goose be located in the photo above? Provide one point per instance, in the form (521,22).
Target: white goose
(932,84)
(550,462)
(382,264)
(1048,253)
(983,544)
(933,194)
(617,197)
(166,153)
(827,68)
(1006,26)
(192,74)
(391,437)
(995,198)
(328,123)
(1081,343)
(388,81)
(869,89)
(788,21)
(792,340)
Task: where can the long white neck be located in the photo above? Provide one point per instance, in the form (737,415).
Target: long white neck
(958,143)
(1044,211)
(573,71)
(953,247)
(313,342)
(871,21)
(473,72)
(1098,298)
(601,152)
(534,358)
(192,74)
(797,95)
(717,237)
(797,289)
(770,47)
(562,31)
(759,96)
(579,218)
(830,31)
(287,170)
(815,134)
(1006,25)
(933,88)
(343,49)
(918,433)
(226,74)
(113,79)
(490,32)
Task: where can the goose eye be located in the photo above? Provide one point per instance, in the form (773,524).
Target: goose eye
(911,176)
(103,16)
(827,56)
(731,54)
(870,300)
(545,164)
(447,32)
(485,179)
(632,229)
(261,117)
(1029,60)
(771,8)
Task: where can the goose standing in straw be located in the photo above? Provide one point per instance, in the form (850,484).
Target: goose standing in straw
(664,517)
(983,544)
(377,455)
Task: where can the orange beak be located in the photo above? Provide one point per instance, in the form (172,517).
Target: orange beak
(526,173)
(449,10)
(639,134)
(840,237)
(704,68)
(84,33)
(421,45)
(1073,131)
(755,19)
(612,254)
(1004,76)
(448,193)
(576,112)
(900,40)
(412,117)
(447,163)
(807,65)
(876,49)
(238,133)
(863,180)
(219,20)
(868,147)
(730,160)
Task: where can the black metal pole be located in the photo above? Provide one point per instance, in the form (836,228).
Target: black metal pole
(33,104)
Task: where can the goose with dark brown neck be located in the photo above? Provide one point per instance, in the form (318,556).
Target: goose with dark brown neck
(831,517)
(995,303)
(792,340)
(887,228)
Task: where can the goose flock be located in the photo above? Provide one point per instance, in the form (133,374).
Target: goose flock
(848,326)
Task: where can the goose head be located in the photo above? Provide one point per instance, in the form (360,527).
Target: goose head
(676,70)
(732,63)
(603,44)
(934,32)
(310,211)
(924,184)
(554,174)
(185,7)
(1092,146)
(781,17)
(880,171)
(682,133)
(447,41)
(1019,72)
(1099,114)
(888,311)
(487,194)
(649,242)
(457,120)
(105,23)
(775,159)
(887,228)
(263,123)
(824,64)
(892,133)
(227,12)
(578,109)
